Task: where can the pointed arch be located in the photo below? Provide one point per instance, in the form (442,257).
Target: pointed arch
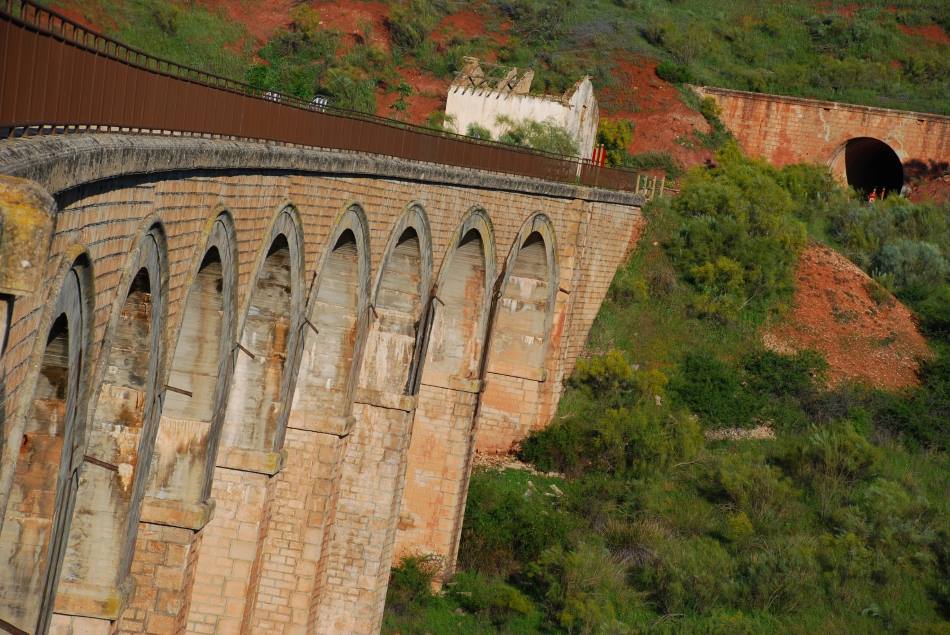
(199,377)
(257,403)
(460,308)
(42,496)
(401,292)
(448,390)
(525,309)
(334,327)
(121,433)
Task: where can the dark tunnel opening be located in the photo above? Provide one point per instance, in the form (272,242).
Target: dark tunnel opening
(873,165)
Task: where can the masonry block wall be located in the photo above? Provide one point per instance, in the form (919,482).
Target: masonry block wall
(785,130)
(337,334)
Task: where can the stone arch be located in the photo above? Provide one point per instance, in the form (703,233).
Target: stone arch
(256,411)
(868,164)
(199,377)
(333,327)
(372,473)
(460,307)
(519,340)
(400,293)
(52,435)
(448,391)
(525,308)
(121,434)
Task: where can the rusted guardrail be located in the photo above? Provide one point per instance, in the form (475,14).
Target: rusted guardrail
(57,76)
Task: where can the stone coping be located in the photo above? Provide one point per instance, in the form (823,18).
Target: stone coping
(176,513)
(251,460)
(62,162)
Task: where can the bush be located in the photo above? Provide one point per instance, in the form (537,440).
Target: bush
(834,451)
(615,136)
(546,136)
(655,161)
(584,590)
(713,390)
(674,73)
(410,21)
(509,522)
(738,243)
(490,598)
(478,132)
(689,575)
(410,583)
(916,268)
(749,485)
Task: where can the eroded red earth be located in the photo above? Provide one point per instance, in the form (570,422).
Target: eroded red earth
(867,340)
(662,122)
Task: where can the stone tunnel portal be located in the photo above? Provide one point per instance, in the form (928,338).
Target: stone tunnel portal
(871,164)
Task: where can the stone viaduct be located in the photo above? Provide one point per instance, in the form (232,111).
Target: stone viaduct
(253,374)
(865,147)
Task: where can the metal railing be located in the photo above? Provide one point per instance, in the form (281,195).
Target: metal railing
(57,76)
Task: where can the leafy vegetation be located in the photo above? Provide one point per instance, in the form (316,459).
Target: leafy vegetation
(837,524)
(546,135)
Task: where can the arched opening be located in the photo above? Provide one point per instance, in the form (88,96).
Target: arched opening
(323,388)
(396,313)
(44,481)
(105,521)
(447,397)
(372,472)
(454,342)
(254,405)
(518,333)
(180,464)
(871,165)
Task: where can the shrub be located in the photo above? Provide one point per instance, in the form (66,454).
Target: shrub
(410,583)
(738,242)
(618,442)
(833,451)
(478,132)
(615,136)
(751,486)
(489,598)
(509,522)
(605,377)
(655,161)
(546,136)
(674,73)
(713,390)
(410,21)
(584,590)
(771,375)
(689,575)
(769,566)
(916,267)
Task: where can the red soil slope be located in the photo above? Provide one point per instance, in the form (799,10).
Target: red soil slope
(930,32)
(662,122)
(873,343)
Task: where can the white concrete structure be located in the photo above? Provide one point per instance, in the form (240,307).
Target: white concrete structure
(473,98)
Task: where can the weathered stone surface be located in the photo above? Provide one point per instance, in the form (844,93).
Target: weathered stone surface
(335,322)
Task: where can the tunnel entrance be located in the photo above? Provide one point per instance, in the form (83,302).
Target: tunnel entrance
(871,165)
